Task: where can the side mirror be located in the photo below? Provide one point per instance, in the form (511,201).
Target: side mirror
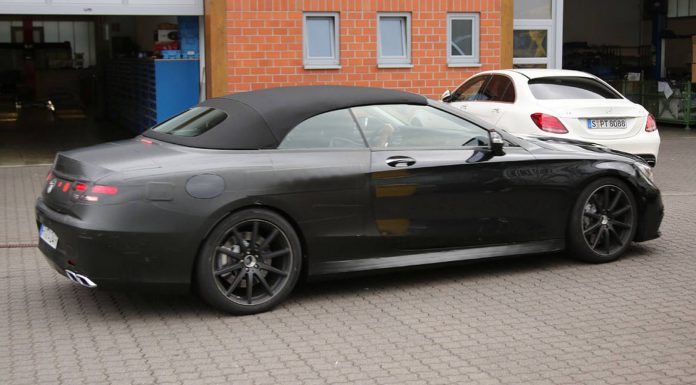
(497,143)
(445,96)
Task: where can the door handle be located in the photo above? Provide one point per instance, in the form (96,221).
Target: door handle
(496,110)
(400,161)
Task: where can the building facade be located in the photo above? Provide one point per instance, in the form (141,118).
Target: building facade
(419,46)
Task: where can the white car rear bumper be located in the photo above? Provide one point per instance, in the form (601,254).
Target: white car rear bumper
(645,144)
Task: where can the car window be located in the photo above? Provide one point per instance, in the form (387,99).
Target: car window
(191,122)
(499,89)
(469,91)
(570,87)
(408,126)
(335,129)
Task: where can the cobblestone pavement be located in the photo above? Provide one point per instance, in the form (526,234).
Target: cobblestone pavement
(537,319)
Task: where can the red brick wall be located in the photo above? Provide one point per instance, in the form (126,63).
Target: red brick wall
(264,44)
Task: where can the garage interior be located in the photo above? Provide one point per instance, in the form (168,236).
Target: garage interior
(72,81)
(645,49)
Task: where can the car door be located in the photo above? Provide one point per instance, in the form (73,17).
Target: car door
(467,95)
(320,178)
(496,99)
(438,186)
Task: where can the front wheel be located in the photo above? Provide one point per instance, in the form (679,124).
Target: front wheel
(249,263)
(603,221)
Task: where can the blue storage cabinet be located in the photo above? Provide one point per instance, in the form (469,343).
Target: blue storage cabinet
(188,36)
(144,92)
(177,86)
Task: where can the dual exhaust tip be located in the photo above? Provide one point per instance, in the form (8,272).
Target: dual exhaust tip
(80,279)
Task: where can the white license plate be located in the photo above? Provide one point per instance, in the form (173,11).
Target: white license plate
(607,123)
(47,235)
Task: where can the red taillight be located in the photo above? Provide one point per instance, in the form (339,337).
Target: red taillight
(146,141)
(106,190)
(50,175)
(86,194)
(650,124)
(549,123)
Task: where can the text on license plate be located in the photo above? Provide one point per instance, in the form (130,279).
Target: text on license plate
(47,235)
(607,123)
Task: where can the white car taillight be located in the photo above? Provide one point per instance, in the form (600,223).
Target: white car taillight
(548,123)
(650,124)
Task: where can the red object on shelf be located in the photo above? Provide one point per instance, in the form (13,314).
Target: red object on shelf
(166,45)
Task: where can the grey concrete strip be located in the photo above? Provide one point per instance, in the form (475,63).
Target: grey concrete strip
(24,165)
(17,245)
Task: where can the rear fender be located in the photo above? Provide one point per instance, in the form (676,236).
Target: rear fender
(249,203)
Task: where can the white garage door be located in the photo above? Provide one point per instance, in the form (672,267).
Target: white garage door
(102,7)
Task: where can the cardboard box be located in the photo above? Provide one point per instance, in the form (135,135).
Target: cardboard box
(693,72)
(693,53)
(167,35)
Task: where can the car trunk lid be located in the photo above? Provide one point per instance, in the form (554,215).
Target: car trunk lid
(598,118)
(89,165)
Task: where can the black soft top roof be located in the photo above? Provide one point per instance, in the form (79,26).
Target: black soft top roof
(261,119)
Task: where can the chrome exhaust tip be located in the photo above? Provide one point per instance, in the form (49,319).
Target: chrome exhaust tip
(80,279)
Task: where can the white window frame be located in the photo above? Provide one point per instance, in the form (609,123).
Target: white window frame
(473,60)
(394,61)
(554,37)
(329,62)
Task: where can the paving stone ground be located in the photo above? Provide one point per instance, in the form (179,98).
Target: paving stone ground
(536,319)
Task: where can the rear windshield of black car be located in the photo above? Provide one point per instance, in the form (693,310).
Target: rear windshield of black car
(191,122)
(570,87)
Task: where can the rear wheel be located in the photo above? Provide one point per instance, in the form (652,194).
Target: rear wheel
(603,222)
(250,262)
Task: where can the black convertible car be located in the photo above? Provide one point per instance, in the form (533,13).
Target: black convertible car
(241,194)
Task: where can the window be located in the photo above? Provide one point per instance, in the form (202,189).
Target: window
(394,40)
(570,87)
(536,28)
(533,9)
(408,126)
(191,122)
(470,91)
(335,129)
(321,40)
(463,39)
(499,89)
(530,43)
(680,8)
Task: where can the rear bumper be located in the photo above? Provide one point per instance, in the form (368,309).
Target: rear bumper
(645,144)
(113,258)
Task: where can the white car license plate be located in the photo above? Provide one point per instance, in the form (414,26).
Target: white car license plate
(47,235)
(607,123)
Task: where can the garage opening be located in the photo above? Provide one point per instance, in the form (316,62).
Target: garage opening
(646,49)
(68,81)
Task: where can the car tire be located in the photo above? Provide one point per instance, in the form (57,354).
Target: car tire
(250,262)
(603,221)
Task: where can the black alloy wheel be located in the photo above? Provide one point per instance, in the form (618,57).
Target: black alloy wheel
(250,263)
(604,221)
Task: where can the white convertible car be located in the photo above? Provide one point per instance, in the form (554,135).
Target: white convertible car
(559,103)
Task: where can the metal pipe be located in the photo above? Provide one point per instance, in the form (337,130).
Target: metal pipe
(80,279)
